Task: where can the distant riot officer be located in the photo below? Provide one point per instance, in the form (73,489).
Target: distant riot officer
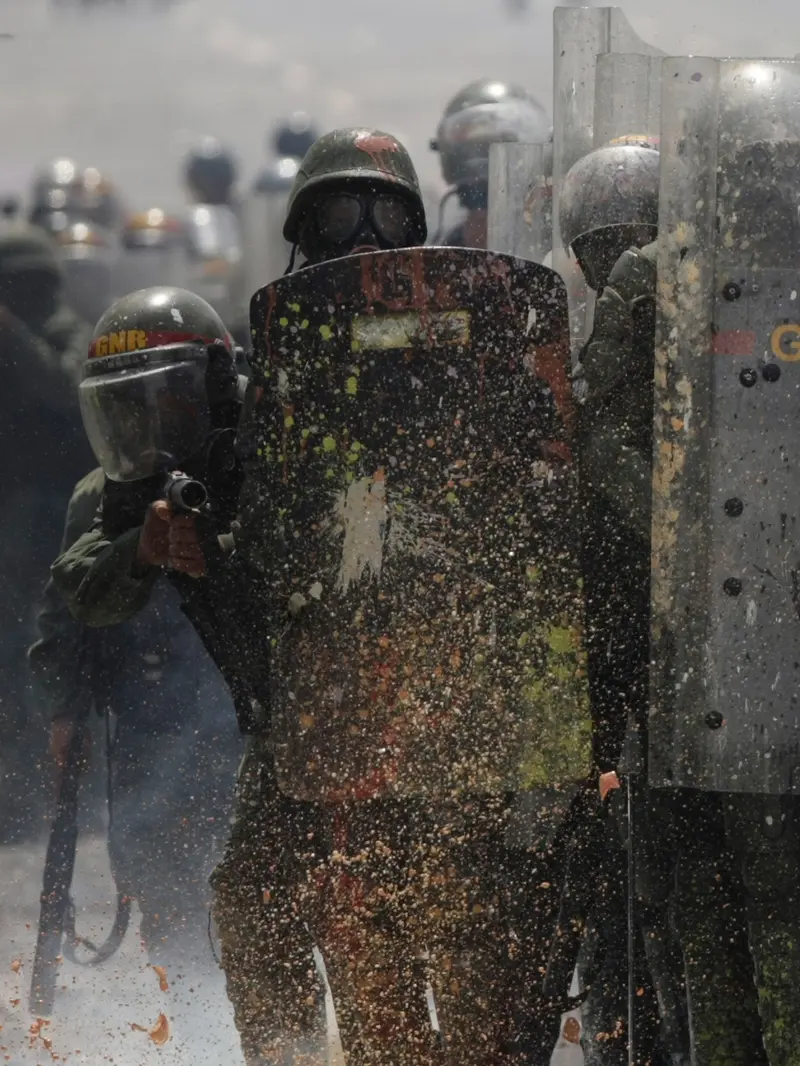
(480,114)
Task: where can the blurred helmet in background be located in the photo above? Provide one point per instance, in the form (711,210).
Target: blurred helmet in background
(483,113)
(210,171)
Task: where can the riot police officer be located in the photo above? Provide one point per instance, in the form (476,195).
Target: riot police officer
(213,231)
(342,200)
(210,173)
(288,144)
(153,252)
(481,113)
(41,343)
(172,747)
(88,256)
(362,860)
(609,203)
(685,874)
(265,251)
(56,196)
(63,194)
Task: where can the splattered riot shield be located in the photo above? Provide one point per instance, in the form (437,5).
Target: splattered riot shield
(581,34)
(726,486)
(409,496)
(520,212)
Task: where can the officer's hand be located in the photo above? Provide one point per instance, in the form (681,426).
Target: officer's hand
(61,733)
(153,548)
(185,553)
(607,783)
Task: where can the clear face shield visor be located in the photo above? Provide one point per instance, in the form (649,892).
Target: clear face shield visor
(464,138)
(146,412)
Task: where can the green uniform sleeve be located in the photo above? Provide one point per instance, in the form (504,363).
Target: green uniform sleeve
(98,578)
(56,657)
(616,453)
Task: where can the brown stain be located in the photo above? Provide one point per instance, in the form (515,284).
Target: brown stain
(377,146)
(733,342)
(550,365)
(386,279)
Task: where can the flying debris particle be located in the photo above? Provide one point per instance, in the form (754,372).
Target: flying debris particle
(161,973)
(159,1033)
(176,315)
(14,1002)
(16,965)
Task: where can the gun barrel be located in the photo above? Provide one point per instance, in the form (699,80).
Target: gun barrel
(185,493)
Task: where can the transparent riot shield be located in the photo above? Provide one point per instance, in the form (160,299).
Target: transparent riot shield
(580,35)
(410,501)
(726,483)
(88,260)
(153,252)
(265,253)
(627,96)
(214,242)
(520,200)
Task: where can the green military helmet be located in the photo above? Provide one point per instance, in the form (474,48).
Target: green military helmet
(355,156)
(31,279)
(25,248)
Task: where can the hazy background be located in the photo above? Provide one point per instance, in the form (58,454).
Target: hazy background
(130,84)
(128,87)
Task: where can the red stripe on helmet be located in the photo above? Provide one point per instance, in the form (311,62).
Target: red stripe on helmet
(117,342)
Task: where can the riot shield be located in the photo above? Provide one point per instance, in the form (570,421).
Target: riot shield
(409,497)
(153,253)
(520,200)
(88,258)
(627,96)
(726,486)
(265,254)
(214,242)
(581,34)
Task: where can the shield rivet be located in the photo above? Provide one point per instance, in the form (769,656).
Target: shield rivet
(732,586)
(731,291)
(771,372)
(714,719)
(748,377)
(733,507)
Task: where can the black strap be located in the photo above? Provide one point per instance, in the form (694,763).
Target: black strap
(72,940)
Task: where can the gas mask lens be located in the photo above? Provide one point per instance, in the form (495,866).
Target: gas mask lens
(341,217)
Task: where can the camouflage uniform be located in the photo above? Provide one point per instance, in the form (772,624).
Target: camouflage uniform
(266,950)
(41,346)
(687,873)
(169,725)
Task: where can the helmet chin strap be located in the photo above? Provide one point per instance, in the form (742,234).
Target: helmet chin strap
(448,196)
(292,258)
(474,197)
